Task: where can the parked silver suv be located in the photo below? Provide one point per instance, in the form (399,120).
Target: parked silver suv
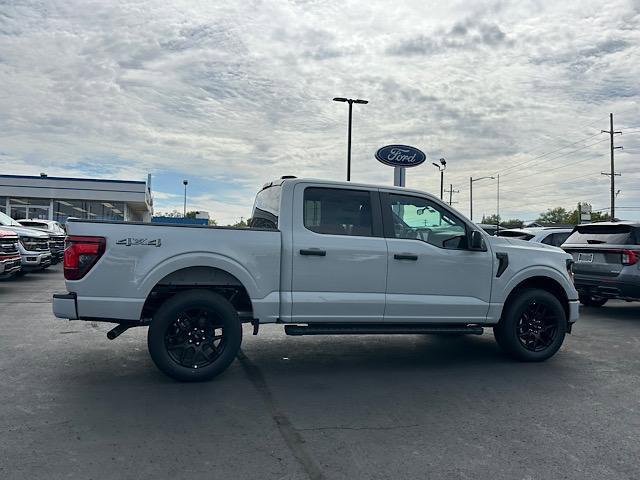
(606,257)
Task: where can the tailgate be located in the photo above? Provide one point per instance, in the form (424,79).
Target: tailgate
(601,262)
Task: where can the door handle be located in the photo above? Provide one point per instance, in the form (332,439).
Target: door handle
(405,256)
(313,251)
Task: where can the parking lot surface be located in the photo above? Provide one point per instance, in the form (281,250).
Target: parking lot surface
(76,405)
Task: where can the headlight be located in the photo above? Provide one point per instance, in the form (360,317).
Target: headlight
(29,243)
(570,268)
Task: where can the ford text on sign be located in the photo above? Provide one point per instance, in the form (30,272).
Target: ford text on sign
(400,156)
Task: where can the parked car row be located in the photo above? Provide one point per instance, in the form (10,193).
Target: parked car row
(29,245)
(606,257)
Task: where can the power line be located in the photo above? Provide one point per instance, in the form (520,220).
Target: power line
(548,153)
(566,164)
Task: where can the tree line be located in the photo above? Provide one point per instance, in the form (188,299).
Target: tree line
(558,215)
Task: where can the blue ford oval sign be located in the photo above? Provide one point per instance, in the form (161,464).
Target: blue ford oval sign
(400,156)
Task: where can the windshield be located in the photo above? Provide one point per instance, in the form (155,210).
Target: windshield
(266,208)
(40,225)
(603,234)
(7,221)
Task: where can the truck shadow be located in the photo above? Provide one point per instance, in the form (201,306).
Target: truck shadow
(616,311)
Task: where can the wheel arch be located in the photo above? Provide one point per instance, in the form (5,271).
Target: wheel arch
(541,282)
(209,272)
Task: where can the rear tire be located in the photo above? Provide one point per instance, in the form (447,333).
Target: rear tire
(591,301)
(194,336)
(533,326)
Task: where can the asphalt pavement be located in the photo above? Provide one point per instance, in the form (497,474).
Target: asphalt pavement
(76,405)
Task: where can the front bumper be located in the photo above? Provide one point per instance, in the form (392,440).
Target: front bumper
(36,260)
(57,256)
(574,306)
(10,266)
(65,305)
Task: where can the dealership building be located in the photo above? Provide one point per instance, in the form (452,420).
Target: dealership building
(58,198)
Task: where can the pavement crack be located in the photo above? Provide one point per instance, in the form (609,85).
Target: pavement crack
(291,436)
(393,427)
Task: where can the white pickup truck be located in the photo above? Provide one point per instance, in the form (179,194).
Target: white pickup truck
(320,257)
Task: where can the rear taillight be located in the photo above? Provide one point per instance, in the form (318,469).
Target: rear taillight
(80,254)
(629,257)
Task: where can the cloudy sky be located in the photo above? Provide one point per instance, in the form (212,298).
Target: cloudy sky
(230,94)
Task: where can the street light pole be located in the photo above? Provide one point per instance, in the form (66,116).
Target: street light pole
(351,101)
(441,167)
(184,212)
(471,180)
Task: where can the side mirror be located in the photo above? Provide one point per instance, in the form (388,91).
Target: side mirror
(476,241)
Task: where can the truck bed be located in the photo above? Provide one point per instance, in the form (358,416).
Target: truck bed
(138,256)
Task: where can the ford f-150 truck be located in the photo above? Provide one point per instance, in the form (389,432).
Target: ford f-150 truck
(33,245)
(10,263)
(320,257)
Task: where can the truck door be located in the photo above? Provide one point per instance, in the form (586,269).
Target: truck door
(339,255)
(432,275)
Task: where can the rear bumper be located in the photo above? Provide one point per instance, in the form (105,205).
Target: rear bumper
(107,309)
(65,305)
(622,286)
(10,266)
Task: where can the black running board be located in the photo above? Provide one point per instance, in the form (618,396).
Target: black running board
(380,329)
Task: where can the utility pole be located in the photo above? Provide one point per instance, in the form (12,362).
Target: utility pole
(451,192)
(471,180)
(498,208)
(613,173)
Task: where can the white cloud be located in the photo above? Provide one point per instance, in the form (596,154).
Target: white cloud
(241,91)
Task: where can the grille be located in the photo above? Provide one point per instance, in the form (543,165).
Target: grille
(56,243)
(41,245)
(8,247)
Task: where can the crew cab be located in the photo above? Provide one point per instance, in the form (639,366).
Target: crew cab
(320,258)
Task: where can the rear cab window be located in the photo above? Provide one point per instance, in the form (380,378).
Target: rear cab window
(333,211)
(266,208)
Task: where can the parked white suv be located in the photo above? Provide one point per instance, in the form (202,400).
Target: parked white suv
(555,236)
(320,257)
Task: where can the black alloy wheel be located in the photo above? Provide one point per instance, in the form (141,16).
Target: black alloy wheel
(537,327)
(195,339)
(533,325)
(194,335)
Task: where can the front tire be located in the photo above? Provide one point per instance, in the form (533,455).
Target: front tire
(194,336)
(533,326)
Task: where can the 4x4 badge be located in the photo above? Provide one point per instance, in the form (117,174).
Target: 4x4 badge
(157,242)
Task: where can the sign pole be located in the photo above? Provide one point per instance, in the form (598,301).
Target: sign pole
(399,175)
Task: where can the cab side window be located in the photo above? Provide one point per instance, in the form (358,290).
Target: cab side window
(337,211)
(420,219)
